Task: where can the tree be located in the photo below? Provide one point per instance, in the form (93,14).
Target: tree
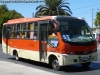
(97,20)
(53,7)
(6,14)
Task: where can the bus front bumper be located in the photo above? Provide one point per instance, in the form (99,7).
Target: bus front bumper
(75,59)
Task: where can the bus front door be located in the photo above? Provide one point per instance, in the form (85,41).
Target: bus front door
(43,33)
(8,30)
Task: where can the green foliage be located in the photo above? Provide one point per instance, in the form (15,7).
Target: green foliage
(97,20)
(53,7)
(6,14)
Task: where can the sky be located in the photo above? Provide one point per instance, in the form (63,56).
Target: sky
(79,8)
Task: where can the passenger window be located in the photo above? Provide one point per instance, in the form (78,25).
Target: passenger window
(4,31)
(31,26)
(28,27)
(22,35)
(33,35)
(13,31)
(18,27)
(18,35)
(32,31)
(24,31)
(28,35)
(24,26)
(35,26)
(12,35)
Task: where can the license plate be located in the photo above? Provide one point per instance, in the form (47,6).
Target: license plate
(85,59)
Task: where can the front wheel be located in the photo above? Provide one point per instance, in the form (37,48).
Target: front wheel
(86,64)
(55,65)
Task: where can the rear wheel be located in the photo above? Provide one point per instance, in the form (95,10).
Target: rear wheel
(86,64)
(55,65)
(16,56)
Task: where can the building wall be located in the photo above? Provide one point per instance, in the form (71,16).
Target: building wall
(96,30)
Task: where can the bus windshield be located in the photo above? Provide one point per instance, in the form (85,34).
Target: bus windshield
(75,31)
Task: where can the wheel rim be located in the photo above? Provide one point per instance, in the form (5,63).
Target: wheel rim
(56,64)
(16,56)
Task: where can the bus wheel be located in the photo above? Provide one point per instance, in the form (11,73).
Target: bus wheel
(86,64)
(55,65)
(16,56)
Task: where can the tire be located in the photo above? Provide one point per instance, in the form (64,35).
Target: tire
(86,64)
(16,56)
(55,65)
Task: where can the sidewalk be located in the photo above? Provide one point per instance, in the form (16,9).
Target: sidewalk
(9,68)
(98,47)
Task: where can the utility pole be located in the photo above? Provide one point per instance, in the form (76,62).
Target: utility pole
(33,14)
(92,18)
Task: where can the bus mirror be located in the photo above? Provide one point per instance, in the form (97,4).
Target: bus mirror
(57,28)
(57,25)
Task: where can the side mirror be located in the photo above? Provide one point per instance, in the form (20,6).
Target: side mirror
(57,29)
(57,26)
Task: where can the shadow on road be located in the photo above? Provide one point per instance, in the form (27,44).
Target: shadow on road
(67,69)
(79,68)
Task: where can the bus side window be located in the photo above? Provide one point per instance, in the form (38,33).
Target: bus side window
(32,31)
(18,35)
(35,35)
(31,28)
(4,31)
(13,29)
(35,29)
(22,30)
(18,31)
(23,35)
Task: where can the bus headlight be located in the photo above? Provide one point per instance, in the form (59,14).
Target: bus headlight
(94,50)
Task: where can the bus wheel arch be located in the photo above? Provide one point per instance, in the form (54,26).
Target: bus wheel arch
(15,54)
(54,62)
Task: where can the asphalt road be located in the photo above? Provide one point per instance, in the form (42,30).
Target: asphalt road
(28,67)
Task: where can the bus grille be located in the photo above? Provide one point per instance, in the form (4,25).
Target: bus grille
(83,52)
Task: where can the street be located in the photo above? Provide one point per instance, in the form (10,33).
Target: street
(9,66)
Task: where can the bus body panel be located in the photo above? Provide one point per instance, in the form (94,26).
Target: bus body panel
(27,53)
(30,54)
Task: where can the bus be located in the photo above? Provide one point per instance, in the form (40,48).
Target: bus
(55,40)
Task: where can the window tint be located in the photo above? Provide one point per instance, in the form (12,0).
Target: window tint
(24,31)
(4,31)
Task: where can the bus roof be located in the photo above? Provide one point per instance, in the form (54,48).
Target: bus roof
(25,20)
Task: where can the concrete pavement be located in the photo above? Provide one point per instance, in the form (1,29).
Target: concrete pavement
(98,46)
(9,68)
